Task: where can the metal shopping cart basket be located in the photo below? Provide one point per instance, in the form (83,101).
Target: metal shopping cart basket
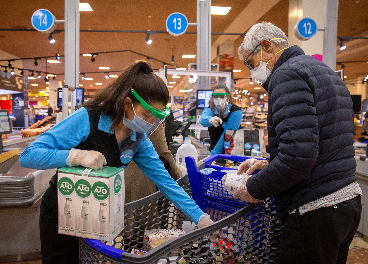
(242,233)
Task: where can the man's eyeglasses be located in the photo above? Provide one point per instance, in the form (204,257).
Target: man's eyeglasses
(250,66)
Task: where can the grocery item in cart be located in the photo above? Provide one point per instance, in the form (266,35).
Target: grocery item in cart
(232,181)
(155,237)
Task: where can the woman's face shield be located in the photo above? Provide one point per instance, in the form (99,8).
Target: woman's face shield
(153,116)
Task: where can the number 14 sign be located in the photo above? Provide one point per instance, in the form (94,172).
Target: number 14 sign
(43,21)
(176,24)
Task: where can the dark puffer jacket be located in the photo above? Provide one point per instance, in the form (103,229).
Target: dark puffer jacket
(310,127)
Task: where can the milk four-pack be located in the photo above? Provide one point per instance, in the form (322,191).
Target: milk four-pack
(96,201)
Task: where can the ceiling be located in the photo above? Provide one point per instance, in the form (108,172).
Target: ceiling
(151,15)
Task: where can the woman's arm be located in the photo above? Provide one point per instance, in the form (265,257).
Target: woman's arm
(205,117)
(50,150)
(233,123)
(149,162)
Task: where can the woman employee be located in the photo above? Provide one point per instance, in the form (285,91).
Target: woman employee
(111,129)
(219,117)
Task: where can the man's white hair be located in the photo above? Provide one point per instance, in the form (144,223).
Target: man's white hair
(259,32)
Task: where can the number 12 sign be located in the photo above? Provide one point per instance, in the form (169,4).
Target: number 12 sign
(305,29)
(176,24)
(44,21)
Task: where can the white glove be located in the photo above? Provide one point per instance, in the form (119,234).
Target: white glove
(215,121)
(205,220)
(87,158)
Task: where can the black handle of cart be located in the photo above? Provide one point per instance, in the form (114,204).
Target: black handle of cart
(242,233)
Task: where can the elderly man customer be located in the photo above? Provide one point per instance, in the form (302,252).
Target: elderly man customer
(311,167)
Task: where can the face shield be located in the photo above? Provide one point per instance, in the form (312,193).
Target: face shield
(158,116)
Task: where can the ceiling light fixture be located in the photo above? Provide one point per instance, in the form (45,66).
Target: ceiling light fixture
(342,46)
(46,78)
(257,88)
(107,75)
(12,71)
(148,40)
(87,55)
(251,81)
(39,75)
(88,79)
(175,77)
(84,7)
(21,71)
(51,38)
(53,61)
(219,10)
(104,68)
(35,62)
(57,56)
(93,59)
(236,70)
(114,76)
(181,69)
(9,64)
(54,77)
(188,56)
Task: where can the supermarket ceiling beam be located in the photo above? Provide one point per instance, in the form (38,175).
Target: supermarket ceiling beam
(149,32)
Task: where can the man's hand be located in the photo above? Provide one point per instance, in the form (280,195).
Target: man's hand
(244,196)
(215,121)
(242,192)
(248,168)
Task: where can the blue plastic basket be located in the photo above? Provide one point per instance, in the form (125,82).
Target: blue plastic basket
(207,189)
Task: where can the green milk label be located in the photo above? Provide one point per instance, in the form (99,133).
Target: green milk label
(66,186)
(83,188)
(117,184)
(100,191)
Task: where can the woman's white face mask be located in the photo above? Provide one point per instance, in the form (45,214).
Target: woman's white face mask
(220,103)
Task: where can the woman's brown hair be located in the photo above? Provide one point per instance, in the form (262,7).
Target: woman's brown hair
(139,76)
(217,87)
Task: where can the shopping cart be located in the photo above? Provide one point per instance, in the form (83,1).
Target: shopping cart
(242,233)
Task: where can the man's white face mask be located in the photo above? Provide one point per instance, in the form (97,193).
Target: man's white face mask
(260,73)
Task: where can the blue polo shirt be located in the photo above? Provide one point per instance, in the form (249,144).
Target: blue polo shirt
(51,149)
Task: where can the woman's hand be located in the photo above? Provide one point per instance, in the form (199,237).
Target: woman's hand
(87,158)
(204,221)
(249,167)
(215,121)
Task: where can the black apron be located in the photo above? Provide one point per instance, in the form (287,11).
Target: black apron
(216,132)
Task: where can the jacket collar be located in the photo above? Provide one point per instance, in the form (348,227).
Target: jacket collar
(289,53)
(104,123)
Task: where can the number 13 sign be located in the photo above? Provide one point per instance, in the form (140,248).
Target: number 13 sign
(43,21)
(305,29)
(176,24)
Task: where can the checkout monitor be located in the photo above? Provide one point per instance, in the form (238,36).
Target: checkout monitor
(5,127)
(203,97)
(79,99)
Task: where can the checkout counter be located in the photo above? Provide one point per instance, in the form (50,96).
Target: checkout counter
(361,174)
(21,190)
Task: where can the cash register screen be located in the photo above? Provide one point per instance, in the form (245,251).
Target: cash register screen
(5,127)
(203,97)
